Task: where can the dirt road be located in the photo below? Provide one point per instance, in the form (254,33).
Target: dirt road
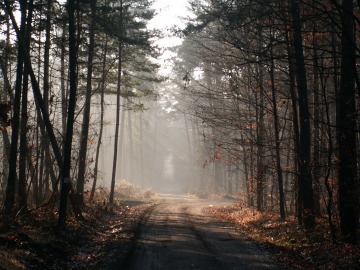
(177,234)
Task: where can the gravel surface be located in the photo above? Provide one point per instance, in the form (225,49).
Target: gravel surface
(176,233)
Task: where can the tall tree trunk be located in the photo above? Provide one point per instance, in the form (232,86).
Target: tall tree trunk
(131,147)
(116,142)
(346,129)
(277,140)
(65,177)
(121,141)
(36,89)
(86,114)
(46,91)
(251,179)
(316,170)
(102,94)
(63,86)
(295,122)
(12,176)
(154,154)
(4,64)
(330,152)
(40,104)
(249,195)
(141,149)
(191,158)
(305,177)
(24,117)
(260,142)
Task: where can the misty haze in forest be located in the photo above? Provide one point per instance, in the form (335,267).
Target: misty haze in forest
(157,153)
(256,101)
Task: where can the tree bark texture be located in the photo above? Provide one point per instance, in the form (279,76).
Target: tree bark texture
(304,154)
(346,129)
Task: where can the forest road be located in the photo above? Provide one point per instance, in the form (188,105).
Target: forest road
(176,233)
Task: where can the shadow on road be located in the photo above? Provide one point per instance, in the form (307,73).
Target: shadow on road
(176,233)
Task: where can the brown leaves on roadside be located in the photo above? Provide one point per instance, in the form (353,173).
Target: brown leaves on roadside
(292,245)
(33,242)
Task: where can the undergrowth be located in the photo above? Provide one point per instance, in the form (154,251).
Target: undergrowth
(32,240)
(294,247)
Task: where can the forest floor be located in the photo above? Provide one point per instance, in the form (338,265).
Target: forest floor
(104,239)
(292,246)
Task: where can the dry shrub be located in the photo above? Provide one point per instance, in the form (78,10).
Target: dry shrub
(149,193)
(125,189)
(101,194)
(201,194)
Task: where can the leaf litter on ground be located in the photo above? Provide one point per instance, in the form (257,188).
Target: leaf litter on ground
(33,242)
(292,246)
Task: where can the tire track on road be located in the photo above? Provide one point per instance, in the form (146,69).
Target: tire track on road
(200,237)
(137,231)
(176,234)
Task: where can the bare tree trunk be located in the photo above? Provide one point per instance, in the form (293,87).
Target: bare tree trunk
(48,170)
(141,149)
(65,178)
(295,122)
(330,199)
(102,94)
(316,133)
(118,92)
(305,177)
(277,141)
(260,141)
(4,64)
(12,176)
(24,116)
(131,147)
(251,179)
(63,87)
(36,89)
(40,105)
(191,159)
(86,114)
(346,129)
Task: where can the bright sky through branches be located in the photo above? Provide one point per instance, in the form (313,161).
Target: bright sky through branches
(168,14)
